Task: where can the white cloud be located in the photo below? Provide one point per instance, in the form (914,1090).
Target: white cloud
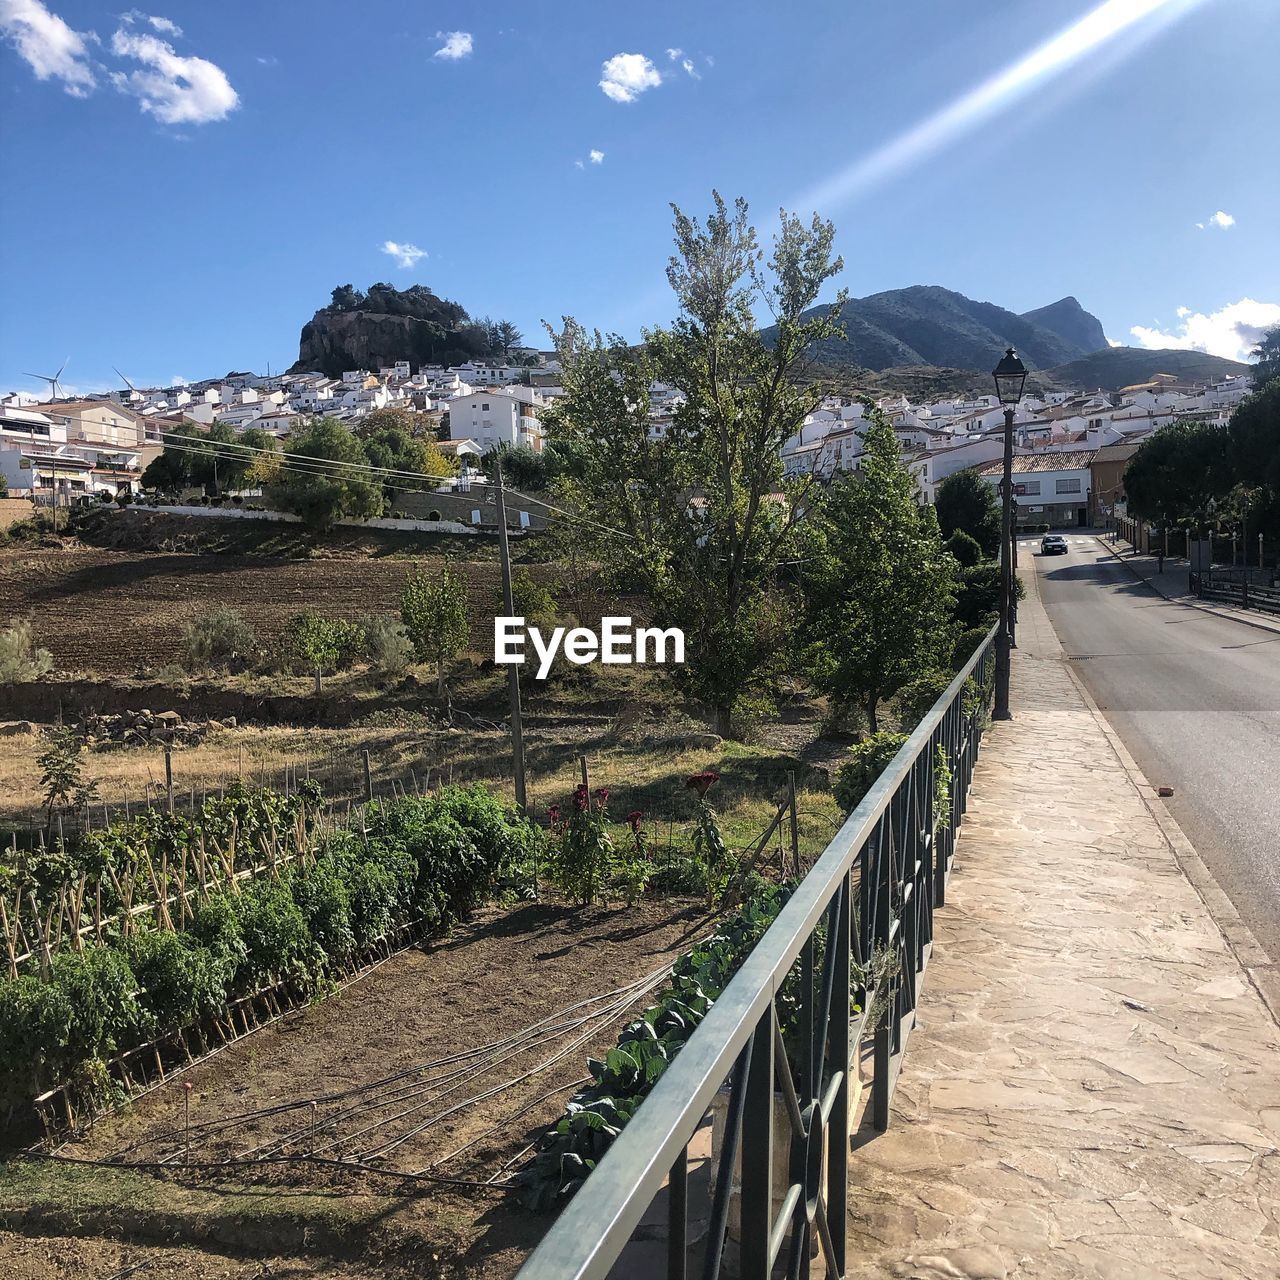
(1232,332)
(406,255)
(175,89)
(162,25)
(625,76)
(48,46)
(457,44)
(673,54)
(687,64)
(597,157)
(577,164)
(1221,220)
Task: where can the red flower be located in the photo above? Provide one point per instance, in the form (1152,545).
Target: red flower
(553,814)
(581,798)
(602,796)
(635,817)
(701,782)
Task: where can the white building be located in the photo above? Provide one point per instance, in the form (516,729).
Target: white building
(493,418)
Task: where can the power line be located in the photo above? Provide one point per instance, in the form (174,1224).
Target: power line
(333,468)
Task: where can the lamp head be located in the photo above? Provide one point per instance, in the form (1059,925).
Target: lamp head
(1011,376)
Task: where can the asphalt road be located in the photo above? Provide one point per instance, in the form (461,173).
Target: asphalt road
(1196,699)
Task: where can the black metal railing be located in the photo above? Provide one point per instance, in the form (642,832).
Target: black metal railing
(838,971)
(1250,588)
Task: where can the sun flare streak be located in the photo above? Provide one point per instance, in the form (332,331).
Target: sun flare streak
(988,99)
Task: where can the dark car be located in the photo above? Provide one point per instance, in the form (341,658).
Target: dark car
(1053,544)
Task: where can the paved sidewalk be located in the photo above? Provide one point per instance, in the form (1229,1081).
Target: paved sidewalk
(1174,584)
(1093,1089)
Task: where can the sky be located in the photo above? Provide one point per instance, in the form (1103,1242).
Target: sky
(183,187)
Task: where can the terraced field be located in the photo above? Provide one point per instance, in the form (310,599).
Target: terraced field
(116,611)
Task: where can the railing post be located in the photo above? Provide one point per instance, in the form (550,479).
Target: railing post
(757,1155)
(840,1053)
(880,889)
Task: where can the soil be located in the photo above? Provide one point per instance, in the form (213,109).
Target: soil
(507,969)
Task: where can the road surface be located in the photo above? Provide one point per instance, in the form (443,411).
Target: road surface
(1195,698)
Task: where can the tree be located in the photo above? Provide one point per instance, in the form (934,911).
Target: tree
(966,502)
(171,470)
(338,484)
(507,336)
(393,448)
(321,644)
(261,467)
(20,659)
(62,771)
(1254,435)
(1177,471)
(881,596)
(346,298)
(434,611)
(706,524)
(1267,355)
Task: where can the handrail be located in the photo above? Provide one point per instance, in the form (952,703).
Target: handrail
(595,1226)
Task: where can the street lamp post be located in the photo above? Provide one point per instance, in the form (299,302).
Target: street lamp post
(1011,376)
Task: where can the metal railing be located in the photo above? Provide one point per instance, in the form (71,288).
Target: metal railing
(1249,588)
(850,947)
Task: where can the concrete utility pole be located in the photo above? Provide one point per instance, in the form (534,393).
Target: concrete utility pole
(513,669)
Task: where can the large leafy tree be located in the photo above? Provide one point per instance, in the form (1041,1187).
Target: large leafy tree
(706,525)
(1267,355)
(882,593)
(1176,472)
(966,503)
(395,449)
(1254,434)
(327,477)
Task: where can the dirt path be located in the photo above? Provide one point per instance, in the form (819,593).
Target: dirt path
(507,969)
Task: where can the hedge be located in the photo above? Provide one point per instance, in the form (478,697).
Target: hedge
(417,861)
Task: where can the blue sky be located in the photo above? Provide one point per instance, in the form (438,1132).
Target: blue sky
(186,184)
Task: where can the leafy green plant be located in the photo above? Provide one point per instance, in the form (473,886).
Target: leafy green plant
(584,848)
(916,698)
(321,644)
(19,657)
(867,761)
(594,1117)
(62,771)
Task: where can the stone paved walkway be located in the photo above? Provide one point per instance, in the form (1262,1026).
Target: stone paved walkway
(1093,1087)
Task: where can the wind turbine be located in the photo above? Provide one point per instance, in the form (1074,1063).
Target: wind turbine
(55,387)
(134,393)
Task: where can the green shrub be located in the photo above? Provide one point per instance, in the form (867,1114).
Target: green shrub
(964,547)
(915,700)
(219,638)
(106,1015)
(867,761)
(387,645)
(19,657)
(966,643)
(324,899)
(181,981)
(277,943)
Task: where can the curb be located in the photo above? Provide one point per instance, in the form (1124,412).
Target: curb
(1257,965)
(1189,601)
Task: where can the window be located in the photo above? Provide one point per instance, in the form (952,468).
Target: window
(1067,484)
(484,408)
(1031,488)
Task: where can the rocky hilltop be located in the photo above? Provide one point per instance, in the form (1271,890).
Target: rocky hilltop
(375,329)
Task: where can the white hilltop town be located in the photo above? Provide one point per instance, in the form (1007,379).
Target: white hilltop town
(1070,445)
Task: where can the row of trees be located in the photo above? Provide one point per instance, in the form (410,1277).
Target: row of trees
(319,471)
(1199,475)
(850,583)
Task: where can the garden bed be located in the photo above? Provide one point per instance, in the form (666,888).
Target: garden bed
(508,968)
